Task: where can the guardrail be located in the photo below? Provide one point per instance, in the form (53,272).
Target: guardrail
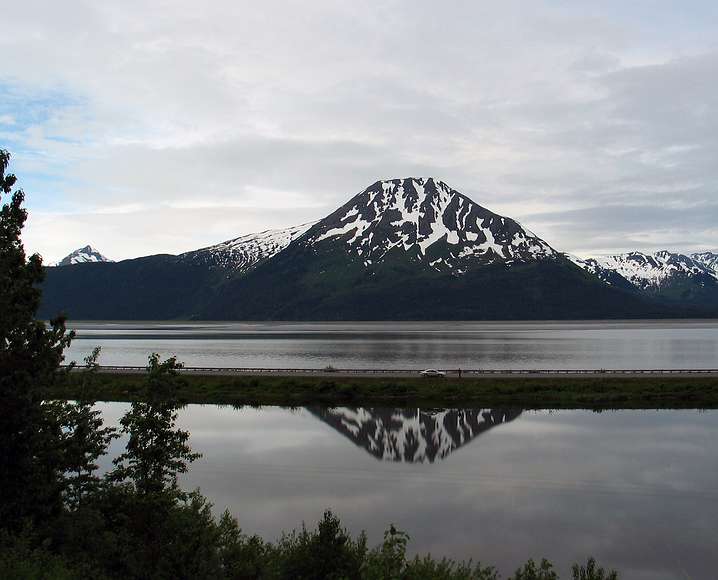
(333,371)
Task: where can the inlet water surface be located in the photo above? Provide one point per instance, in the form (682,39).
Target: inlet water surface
(636,489)
(408,345)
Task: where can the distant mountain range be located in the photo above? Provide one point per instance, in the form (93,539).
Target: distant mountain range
(668,275)
(402,249)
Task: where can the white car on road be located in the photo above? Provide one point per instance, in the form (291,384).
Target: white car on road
(432,373)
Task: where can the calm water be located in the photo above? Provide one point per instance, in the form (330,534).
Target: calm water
(547,345)
(637,489)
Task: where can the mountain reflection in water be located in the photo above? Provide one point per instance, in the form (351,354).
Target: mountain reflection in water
(412,435)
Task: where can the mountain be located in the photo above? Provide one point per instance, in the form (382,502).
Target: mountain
(402,249)
(412,435)
(83,255)
(667,275)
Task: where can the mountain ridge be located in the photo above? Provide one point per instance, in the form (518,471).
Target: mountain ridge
(243,253)
(404,249)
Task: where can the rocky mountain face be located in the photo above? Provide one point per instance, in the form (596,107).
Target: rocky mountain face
(412,435)
(402,249)
(82,256)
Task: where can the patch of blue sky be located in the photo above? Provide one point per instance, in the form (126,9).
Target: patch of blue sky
(29,129)
(660,26)
(26,107)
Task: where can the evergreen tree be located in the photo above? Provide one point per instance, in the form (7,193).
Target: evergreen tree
(533,571)
(592,571)
(30,355)
(85,439)
(156,451)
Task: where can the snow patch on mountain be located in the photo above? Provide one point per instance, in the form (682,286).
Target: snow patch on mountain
(243,253)
(588,264)
(82,256)
(595,267)
(433,222)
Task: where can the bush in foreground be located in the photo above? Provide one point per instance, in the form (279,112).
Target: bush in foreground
(197,546)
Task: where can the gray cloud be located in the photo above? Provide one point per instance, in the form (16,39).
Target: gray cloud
(540,110)
(612,228)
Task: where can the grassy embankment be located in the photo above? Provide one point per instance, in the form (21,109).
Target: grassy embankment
(547,392)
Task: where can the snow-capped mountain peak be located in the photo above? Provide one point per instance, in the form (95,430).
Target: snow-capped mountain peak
(243,253)
(83,255)
(431,221)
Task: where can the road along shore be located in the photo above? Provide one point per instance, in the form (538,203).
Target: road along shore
(413,373)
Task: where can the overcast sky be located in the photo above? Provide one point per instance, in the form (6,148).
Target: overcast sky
(163,126)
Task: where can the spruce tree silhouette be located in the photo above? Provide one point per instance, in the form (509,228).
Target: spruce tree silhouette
(31,461)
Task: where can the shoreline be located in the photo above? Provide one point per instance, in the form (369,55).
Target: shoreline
(416,373)
(596,391)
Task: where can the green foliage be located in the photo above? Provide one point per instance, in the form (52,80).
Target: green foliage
(592,571)
(156,452)
(89,375)
(28,349)
(533,571)
(21,559)
(329,552)
(244,557)
(84,439)
(147,472)
(389,560)
(427,568)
